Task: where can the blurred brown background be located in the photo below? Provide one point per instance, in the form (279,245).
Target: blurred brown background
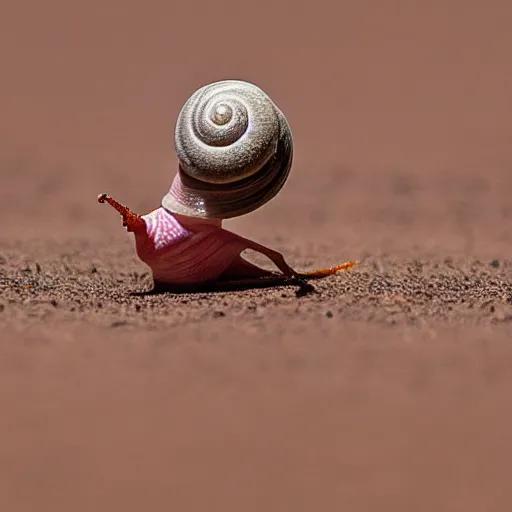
(401,116)
(91,91)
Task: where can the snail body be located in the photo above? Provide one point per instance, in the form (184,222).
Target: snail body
(235,151)
(186,251)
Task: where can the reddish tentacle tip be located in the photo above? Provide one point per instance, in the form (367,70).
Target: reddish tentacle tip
(102,198)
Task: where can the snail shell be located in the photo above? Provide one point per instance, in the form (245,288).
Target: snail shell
(235,152)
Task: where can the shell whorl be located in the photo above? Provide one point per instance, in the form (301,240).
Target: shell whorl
(234,148)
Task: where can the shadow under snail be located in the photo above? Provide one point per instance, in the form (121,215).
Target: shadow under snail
(235,152)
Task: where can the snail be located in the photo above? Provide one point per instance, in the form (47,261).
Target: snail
(235,152)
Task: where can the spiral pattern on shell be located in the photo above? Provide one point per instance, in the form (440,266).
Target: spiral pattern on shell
(234,148)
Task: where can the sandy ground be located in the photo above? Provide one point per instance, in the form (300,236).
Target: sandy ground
(388,388)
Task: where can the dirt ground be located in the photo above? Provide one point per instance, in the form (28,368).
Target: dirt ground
(386,389)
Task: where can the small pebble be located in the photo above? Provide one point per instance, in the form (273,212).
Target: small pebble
(118,323)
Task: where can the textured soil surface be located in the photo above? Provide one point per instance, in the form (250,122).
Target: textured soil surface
(387,387)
